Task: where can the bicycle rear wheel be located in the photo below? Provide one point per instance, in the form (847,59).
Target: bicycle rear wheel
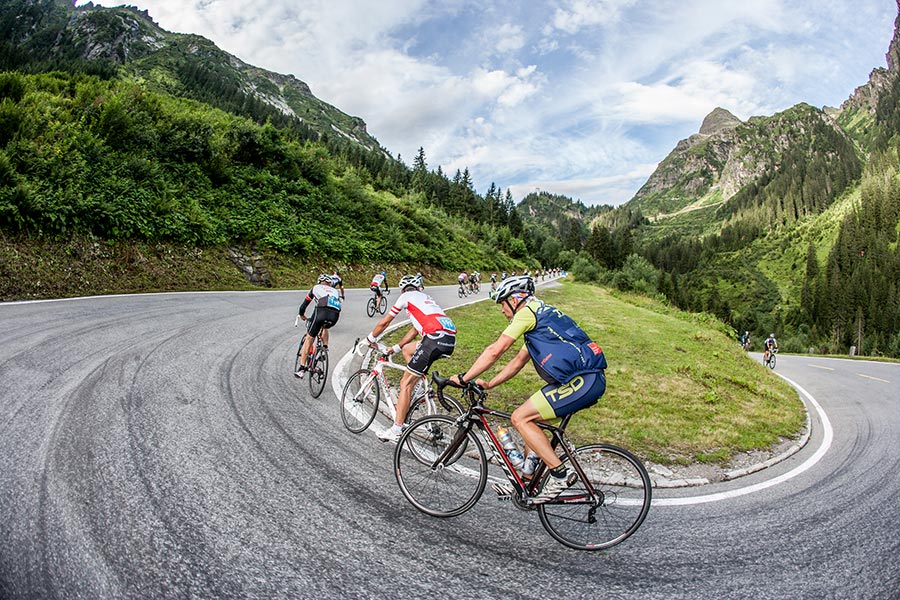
(359,401)
(446,489)
(623,491)
(370,306)
(318,373)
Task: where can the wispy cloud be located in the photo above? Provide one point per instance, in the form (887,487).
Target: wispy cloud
(580,97)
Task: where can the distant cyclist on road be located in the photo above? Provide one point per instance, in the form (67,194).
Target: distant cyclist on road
(770,345)
(463,280)
(326,302)
(438,340)
(562,354)
(377,281)
(745,340)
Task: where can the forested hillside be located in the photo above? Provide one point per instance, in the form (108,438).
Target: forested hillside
(89,147)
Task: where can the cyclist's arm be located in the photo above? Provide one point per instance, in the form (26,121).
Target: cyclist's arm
(305,303)
(383,324)
(489,356)
(408,337)
(509,371)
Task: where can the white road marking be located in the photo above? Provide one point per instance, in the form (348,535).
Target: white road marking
(827,437)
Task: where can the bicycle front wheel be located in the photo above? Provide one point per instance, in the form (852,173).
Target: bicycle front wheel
(318,373)
(370,307)
(359,401)
(382,305)
(622,492)
(440,487)
(772,361)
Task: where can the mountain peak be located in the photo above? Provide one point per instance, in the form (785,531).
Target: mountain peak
(719,120)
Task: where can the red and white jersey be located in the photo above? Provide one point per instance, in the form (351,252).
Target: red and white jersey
(377,280)
(426,316)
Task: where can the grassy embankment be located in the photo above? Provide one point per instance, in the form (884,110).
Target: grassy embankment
(84,266)
(679,389)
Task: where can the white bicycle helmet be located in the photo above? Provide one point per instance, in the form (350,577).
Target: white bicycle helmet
(408,281)
(522,284)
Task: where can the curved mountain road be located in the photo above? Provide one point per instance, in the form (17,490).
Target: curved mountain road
(157,446)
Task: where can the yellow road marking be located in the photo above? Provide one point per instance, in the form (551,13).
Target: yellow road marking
(821,367)
(875,378)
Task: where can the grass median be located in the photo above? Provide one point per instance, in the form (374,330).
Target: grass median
(679,389)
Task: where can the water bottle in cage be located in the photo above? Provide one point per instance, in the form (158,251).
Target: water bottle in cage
(509,446)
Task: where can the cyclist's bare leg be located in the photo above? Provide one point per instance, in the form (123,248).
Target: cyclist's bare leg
(304,351)
(407,383)
(324,336)
(524,419)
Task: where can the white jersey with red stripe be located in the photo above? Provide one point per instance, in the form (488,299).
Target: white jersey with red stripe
(426,316)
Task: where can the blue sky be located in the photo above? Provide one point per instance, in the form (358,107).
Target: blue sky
(577,97)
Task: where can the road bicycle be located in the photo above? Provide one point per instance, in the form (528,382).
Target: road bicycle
(771,361)
(316,364)
(462,292)
(377,303)
(442,469)
(368,389)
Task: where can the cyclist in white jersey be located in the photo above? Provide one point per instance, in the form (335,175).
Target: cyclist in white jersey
(326,301)
(438,340)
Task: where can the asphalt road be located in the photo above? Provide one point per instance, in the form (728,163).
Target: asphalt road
(158,447)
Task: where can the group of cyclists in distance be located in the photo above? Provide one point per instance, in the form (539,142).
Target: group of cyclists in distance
(570,363)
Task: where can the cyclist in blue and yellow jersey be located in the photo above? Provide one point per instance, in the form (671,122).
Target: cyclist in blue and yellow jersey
(438,340)
(562,354)
(326,301)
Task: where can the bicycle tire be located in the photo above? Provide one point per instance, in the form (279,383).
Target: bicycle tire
(444,490)
(625,491)
(370,307)
(772,361)
(382,305)
(297,360)
(460,292)
(318,374)
(359,401)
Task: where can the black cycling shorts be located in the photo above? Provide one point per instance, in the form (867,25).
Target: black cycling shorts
(431,348)
(323,316)
(376,289)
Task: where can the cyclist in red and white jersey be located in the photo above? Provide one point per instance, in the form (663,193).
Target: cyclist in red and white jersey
(438,340)
(378,280)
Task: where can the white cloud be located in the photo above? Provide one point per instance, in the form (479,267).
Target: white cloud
(510,38)
(579,14)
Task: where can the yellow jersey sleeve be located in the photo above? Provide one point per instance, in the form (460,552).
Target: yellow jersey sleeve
(523,322)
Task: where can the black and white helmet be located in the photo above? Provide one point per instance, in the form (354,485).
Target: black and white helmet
(409,281)
(523,284)
(325,278)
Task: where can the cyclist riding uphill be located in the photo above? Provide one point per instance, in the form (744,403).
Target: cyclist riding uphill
(377,281)
(438,340)
(770,345)
(562,354)
(326,300)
